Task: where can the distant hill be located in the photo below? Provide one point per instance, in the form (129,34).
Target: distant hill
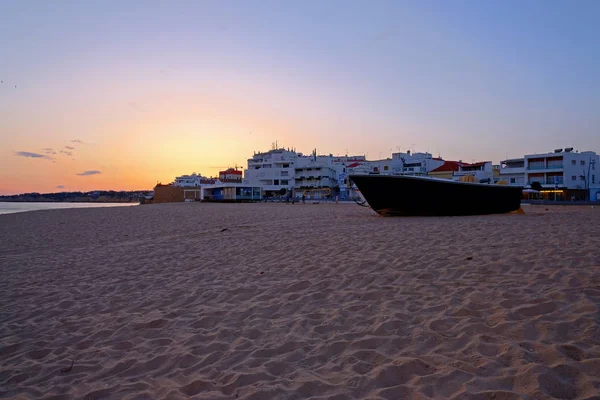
(97,196)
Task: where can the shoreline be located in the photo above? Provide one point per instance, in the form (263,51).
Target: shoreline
(49,201)
(7,208)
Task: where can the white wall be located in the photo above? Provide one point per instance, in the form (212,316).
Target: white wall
(574,165)
(272,170)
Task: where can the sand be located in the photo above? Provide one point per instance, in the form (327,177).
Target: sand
(276,301)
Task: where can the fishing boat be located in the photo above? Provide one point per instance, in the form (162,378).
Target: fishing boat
(405,195)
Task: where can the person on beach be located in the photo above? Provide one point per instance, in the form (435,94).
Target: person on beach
(303,198)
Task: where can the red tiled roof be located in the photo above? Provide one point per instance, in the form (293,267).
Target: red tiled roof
(449,166)
(353,165)
(230,171)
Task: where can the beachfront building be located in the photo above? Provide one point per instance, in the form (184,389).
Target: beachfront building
(347,189)
(458,170)
(272,170)
(316,177)
(209,190)
(512,171)
(316,181)
(414,163)
(232,193)
(446,170)
(568,174)
(231,175)
(193,180)
(480,171)
(275,170)
(384,166)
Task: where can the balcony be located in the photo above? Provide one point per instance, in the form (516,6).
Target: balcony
(512,170)
(541,167)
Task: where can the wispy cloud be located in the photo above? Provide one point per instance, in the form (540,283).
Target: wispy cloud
(60,187)
(49,150)
(32,155)
(79,141)
(66,153)
(87,173)
(69,147)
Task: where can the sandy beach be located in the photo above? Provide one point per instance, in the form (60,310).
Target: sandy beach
(280,301)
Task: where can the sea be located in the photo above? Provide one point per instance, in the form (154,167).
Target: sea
(16,207)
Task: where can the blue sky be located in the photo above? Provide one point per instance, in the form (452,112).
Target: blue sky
(180,85)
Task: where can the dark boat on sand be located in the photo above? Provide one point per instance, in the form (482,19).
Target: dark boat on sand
(399,195)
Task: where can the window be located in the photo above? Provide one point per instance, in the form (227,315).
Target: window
(582,162)
(385,168)
(581,177)
(573,178)
(286,165)
(245,192)
(276,182)
(284,181)
(284,173)
(593,178)
(345,181)
(513,180)
(573,162)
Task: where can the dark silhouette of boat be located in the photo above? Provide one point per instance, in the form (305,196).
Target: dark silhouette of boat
(398,195)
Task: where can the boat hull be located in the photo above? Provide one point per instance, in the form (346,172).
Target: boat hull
(398,195)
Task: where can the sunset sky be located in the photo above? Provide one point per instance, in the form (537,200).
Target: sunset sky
(122,94)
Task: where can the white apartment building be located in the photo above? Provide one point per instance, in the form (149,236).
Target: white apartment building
(272,170)
(513,171)
(193,180)
(570,173)
(276,169)
(385,166)
(324,175)
(415,163)
(316,180)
